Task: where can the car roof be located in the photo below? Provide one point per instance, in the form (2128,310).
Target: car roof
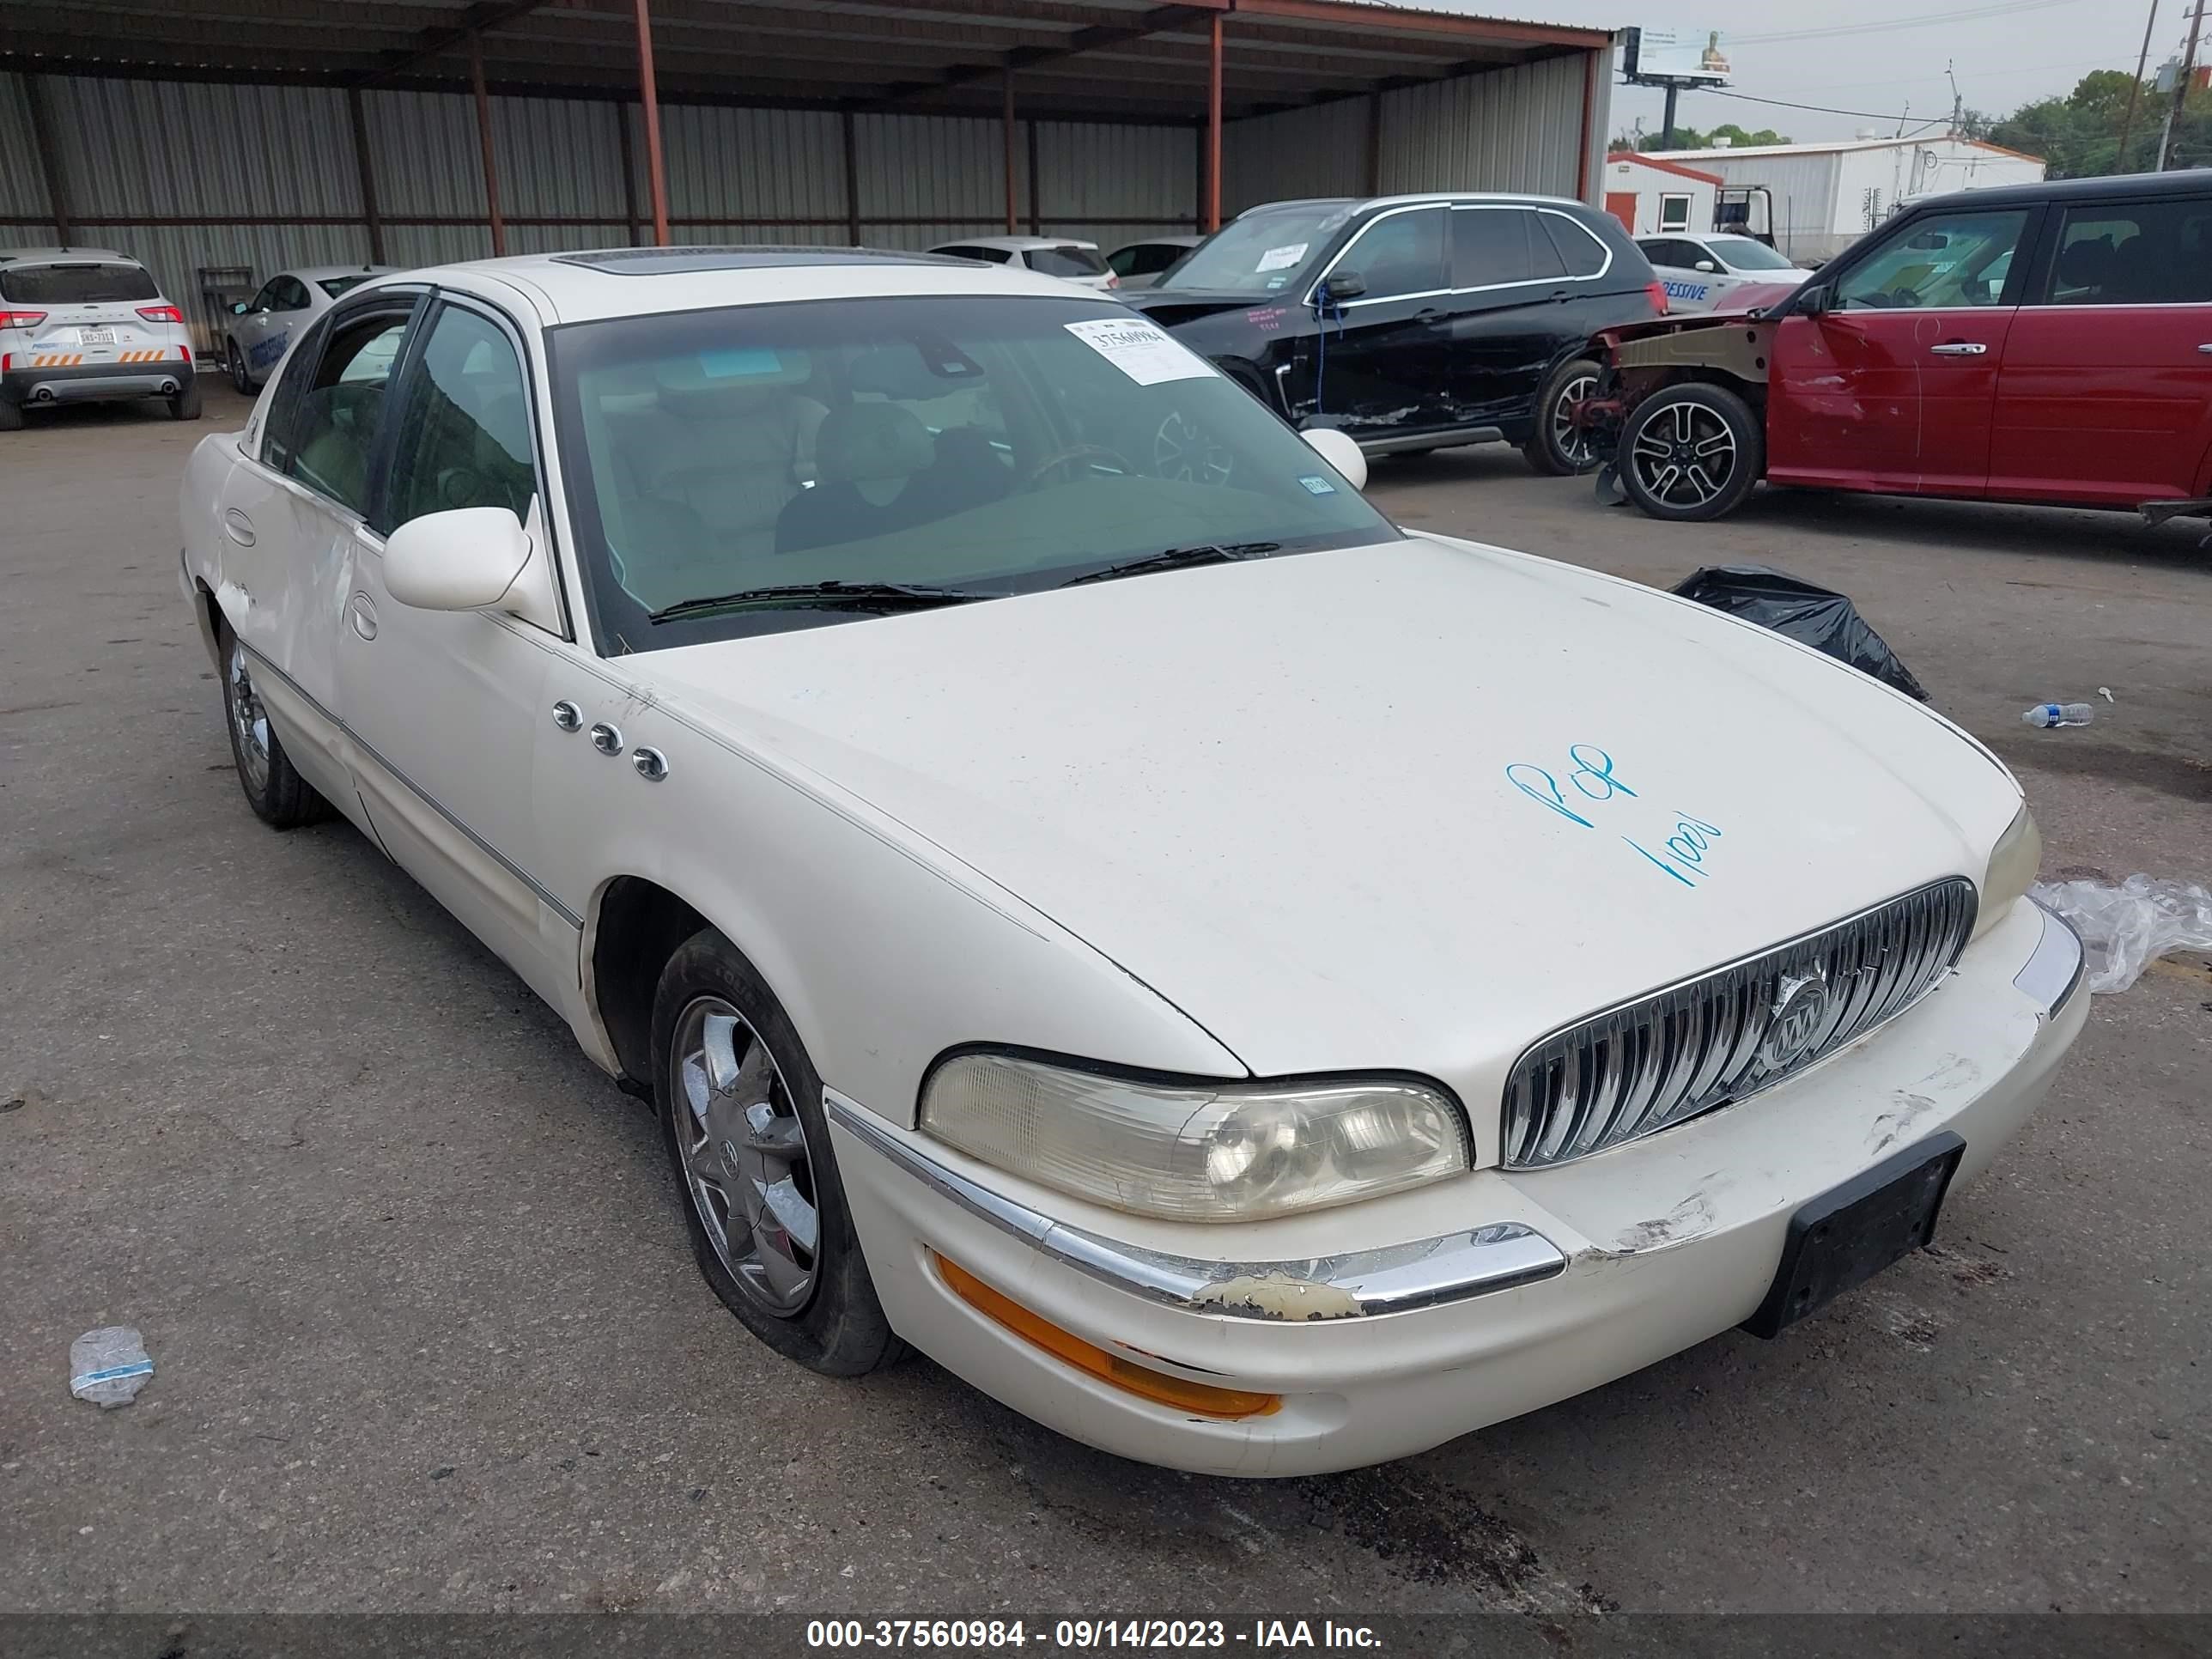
(1170,238)
(1017,243)
(49,256)
(570,288)
(1371,203)
(319,273)
(2190,181)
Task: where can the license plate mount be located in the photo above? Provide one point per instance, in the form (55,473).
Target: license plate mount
(95,337)
(1846,1236)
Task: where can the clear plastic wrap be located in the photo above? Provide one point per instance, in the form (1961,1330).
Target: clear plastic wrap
(2126,928)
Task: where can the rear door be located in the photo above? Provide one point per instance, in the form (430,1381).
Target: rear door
(2105,391)
(1510,317)
(81,313)
(1894,388)
(1383,358)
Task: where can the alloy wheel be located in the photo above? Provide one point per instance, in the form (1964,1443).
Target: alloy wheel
(249,724)
(747,1164)
(1685,455)
(1573,444)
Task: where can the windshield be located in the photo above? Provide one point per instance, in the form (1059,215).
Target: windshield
(75,285)
(1262,253)
(986,444)
(1742,253)
(335,286)
(1069,261)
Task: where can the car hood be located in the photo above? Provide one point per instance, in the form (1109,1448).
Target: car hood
(1404,805)
(1168,307)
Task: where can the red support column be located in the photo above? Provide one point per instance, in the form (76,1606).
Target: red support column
(1591,61)
(1214,130)
(649,89)
(483,137)
(1007,142)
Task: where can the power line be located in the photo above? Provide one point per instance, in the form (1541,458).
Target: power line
(1823,109)
(1966,14)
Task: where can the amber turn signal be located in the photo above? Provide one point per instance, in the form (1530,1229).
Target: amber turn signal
(1199,1398)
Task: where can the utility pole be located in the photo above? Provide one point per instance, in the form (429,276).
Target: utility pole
(2134,91)
(1958,102)
(1667,137)
(2181,85)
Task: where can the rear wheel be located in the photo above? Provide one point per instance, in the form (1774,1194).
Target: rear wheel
(184,403)
(234,361)
(1691,452)
(1559,447)
(11,416)
(741,1114)
(279,796)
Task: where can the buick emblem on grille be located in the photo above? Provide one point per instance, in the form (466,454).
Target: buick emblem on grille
(1799,1005)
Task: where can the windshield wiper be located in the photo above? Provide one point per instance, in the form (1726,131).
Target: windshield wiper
(1169,558)
(859,596)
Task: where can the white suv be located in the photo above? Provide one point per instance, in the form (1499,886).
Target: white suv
(80,324)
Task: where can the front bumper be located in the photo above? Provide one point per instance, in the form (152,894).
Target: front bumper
(1393,1326)
(95,382)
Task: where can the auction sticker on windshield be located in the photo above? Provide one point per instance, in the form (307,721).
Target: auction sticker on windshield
(1142,351)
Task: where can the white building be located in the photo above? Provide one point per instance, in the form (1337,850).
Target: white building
(1653,198)
(1825,196)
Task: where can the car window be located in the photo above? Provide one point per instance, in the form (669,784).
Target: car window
(1582,253)
(334,286)
(266,299)
(1127,261)
(994,445)
(1747,254)
(333,430)
(1946,259)
(463,435)
(1144,257)
(1493,246)
(988,256)
(291,293)
(2146,253)
(1066,261)
(1400,254)
(280,404)
(87,284)
(1263,252)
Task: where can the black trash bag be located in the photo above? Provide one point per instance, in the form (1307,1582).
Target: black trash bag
(1812,615)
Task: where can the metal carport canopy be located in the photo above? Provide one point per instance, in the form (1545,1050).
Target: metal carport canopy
(1199,62)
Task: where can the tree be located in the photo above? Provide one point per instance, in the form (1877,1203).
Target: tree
(1636,138)
(2079,136)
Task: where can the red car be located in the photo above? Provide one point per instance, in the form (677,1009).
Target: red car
(2045,342)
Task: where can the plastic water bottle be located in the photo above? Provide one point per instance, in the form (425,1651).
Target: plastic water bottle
(2058,713)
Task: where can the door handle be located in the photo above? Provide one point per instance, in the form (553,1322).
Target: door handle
(238,527)
(364,616)
(1959,348)
(2206,347)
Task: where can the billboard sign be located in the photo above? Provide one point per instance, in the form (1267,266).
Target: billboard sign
(1676,54)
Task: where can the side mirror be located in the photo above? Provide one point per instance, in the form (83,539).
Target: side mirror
(1343,285)
(1341,451)
(463,559)
(238,308)
(1704,264)
(1817,299)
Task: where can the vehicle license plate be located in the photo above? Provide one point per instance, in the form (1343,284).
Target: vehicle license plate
(1844,1237)
(95,337)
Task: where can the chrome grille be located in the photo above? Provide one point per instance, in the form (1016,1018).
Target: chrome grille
(1708,1042)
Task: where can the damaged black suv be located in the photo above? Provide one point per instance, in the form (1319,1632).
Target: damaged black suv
(1414,322)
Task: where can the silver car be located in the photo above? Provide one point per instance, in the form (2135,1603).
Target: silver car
(1140,264)
(1700,271)
(259,332)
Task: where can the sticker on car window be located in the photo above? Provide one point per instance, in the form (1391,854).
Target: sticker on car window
(1141,352)
(729,365)
(1317,485)
(1281,258)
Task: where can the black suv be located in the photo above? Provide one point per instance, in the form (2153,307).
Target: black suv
(1414,322)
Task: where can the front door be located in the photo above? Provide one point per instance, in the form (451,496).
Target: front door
(443,706)
(1380,359)
(1895,386)
(2106,393)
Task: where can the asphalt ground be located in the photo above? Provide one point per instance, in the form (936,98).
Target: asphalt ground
(429,1337)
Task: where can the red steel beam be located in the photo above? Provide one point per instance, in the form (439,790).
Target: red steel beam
(1213,129)
(656,170)
(1589,113)
(483,139)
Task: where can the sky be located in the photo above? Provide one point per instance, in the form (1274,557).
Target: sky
(1874,57)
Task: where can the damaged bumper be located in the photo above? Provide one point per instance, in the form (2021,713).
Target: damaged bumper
(1510,1289)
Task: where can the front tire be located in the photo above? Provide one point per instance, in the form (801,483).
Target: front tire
(1691,452)
(279,796)
(741,1115)
(1559,448)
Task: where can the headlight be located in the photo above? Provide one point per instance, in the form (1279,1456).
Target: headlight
(1194,1152)
(2012,865)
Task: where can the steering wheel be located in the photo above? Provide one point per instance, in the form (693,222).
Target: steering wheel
(1904,297)
(1076,453)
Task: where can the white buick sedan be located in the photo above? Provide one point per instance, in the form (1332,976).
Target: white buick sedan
(1257,990)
